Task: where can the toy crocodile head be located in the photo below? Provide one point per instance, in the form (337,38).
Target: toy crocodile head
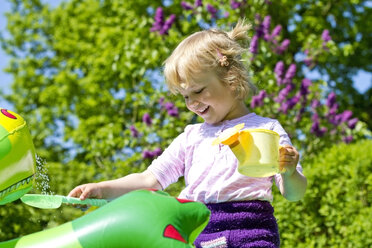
(17,157)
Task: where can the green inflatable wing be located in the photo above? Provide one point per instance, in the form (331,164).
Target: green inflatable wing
(143,218)
(17,157)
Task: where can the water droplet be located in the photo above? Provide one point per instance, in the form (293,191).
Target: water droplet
(42,178)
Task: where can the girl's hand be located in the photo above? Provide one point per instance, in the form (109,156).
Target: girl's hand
(90,190)
(288,159)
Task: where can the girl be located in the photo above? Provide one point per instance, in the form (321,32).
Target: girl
(206,69)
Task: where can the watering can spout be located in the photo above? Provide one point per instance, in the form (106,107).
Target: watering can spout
(17,157)
(242,148)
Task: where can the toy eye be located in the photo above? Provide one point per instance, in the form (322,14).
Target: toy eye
(7,114)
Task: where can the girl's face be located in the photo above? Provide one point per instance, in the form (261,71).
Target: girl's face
(213,100)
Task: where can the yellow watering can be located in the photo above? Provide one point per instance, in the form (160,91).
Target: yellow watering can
(257,150)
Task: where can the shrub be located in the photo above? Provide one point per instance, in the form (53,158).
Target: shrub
(336,210)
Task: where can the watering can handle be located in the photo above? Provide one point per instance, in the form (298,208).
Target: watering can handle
(282,170)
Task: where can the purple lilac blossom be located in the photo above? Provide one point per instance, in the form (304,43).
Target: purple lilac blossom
(267,37)
(157,151)
(282,95)
(333,119)
(315,104)
(315,129)
(147,154)
(333,109)
(159,20)
(346,115)
(171,109)
(259,27)
(258,100)
(262,94)
(134,131)
(235,4)
(315,117)
(212,10)
(352,123)
(322,131)
(161,101)
(198,3)
(253,48)
(308,61)
(284,46)
(337,119)
(186,6)
(168,105)
(259,30)
(279,71)
(331,99)
(332,115)
(266,25)
(255,102)
(294,100)
(290,73)
(168,24)
(299,114)
(304,88)
(173,112)
(151,154)
(325,35)
(147,119)
(276,31)
(289,104)
(347,139)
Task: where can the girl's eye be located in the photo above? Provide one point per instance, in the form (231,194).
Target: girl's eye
(199,91)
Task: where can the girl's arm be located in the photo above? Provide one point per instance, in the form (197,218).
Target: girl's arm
(293,183)
(115,188)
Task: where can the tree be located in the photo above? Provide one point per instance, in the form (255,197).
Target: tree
(87,77)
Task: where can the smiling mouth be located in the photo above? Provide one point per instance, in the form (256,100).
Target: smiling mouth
(203,110)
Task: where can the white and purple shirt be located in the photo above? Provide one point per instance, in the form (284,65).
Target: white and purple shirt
(210,172)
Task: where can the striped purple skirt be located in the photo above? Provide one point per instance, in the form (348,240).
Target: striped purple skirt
(240,224)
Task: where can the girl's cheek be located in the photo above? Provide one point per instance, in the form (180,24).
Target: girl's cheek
(187,105)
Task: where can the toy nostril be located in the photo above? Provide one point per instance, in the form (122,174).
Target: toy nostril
(7,114)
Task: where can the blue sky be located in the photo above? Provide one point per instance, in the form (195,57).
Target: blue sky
(362,80)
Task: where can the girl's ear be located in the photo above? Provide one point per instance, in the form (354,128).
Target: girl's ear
(235,89)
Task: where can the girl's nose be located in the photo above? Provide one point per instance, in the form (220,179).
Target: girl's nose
(193,103)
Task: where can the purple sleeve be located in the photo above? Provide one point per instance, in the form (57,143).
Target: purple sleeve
(170,165)
(283,140)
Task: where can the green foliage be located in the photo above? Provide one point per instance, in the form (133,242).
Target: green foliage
(337,208)
(87,71)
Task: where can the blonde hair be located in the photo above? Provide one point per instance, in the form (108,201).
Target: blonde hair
(211,50)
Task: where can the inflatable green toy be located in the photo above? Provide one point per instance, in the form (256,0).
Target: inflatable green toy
(142,218)
(17,157)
